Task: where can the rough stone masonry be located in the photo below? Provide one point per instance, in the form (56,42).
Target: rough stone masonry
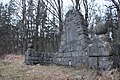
(76,47)
(99,49)
(74,40)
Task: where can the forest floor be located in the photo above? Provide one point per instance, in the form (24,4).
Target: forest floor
(12,67)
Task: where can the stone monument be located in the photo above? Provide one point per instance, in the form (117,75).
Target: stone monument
(76,48)
(99,50)
(74,40)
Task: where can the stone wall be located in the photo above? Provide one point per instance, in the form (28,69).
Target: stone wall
(76,48)
(100,50)
(74,40)
(42,58)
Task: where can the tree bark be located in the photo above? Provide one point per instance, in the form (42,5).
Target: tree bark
(37,24)
(117,5)
(60,21)
(24,25)
(118,31)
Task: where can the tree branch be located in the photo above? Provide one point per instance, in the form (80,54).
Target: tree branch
(86,10)
(52,12)
(51,4)
(116,4)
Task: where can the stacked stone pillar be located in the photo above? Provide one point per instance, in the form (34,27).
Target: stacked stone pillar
(74,40)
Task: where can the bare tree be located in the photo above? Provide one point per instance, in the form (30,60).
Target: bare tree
(37,24)
(85,3)
(24,24)
(77,4)
(57,11)
(117,5)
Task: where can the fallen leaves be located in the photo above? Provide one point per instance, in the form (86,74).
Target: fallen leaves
(13,68)
(12,57)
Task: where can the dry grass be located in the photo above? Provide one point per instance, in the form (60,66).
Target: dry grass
(13,68)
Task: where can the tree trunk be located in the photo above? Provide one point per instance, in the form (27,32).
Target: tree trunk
(117,5)
(118,31)
(60,21)
(24,25)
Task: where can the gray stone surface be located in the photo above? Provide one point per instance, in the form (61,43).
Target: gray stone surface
(115,51)
(101,28)
(32,57)
(76,47)
(100,48)
(74,40)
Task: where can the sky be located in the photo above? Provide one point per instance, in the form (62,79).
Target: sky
(4,1)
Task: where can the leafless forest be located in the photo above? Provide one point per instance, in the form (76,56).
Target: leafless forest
(41,22)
